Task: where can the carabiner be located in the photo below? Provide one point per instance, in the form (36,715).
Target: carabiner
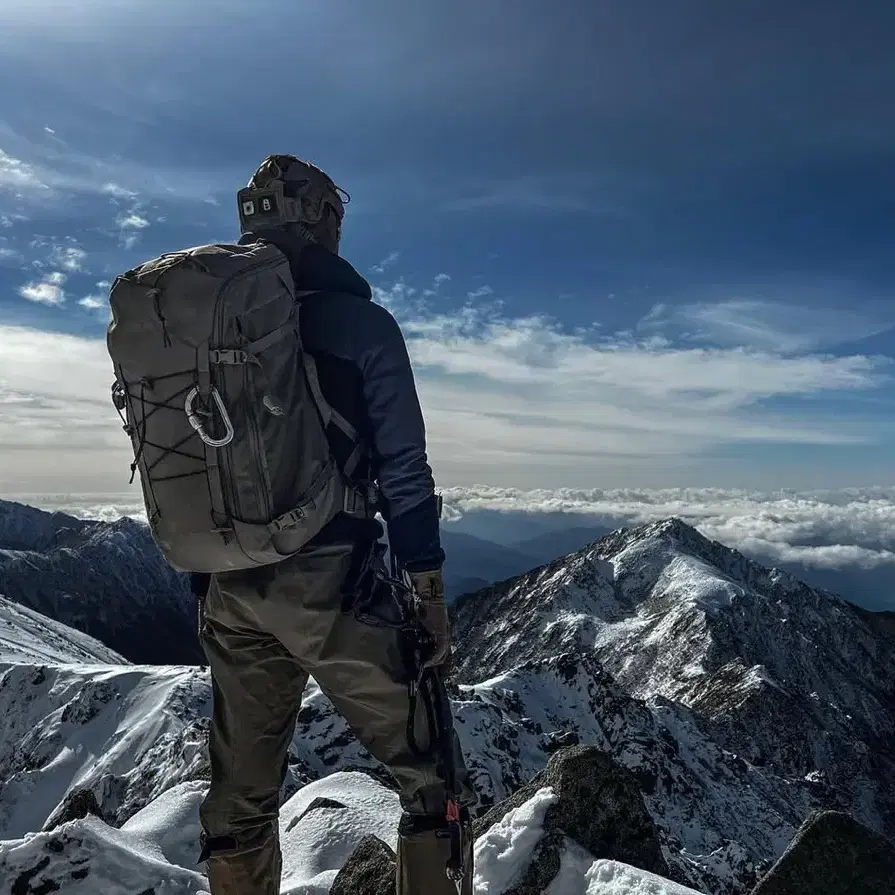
(199,425)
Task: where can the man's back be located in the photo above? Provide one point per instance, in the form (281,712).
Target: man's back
(365,375)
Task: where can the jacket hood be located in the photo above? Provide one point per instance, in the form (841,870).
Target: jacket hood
(314,268)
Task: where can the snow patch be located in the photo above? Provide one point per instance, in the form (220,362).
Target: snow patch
(505,851)
(614,878)
(316,843)
(170,826)
(28,637)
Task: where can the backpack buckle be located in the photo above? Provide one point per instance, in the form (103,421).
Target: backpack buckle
(229,356)
(287,520)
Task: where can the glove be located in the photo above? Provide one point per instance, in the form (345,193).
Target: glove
(433,615)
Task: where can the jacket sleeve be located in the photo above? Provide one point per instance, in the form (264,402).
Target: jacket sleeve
(399,446)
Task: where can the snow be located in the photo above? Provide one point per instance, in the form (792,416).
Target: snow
(316,843)
(614,878)
(504,852)
(574,863)
(730,762)
(580,874)
(170,824)
(88,857)
(126,732)
(27,637)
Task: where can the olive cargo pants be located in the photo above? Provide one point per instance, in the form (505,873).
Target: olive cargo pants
(264,632)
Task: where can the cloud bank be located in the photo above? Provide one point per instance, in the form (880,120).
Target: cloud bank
(525,400)
(829,530)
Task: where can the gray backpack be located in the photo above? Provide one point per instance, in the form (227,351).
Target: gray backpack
(224,408)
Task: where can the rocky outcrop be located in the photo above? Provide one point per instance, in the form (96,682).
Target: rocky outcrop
(598,805)
(76,804)
(369,871)
(832,853)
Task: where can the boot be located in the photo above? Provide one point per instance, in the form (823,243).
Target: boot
(253,869)
(424,847)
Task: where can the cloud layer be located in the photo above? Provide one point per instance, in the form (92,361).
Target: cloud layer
(526,400)
(829,530)
(522,401)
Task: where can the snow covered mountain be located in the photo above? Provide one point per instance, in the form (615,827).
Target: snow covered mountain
(108,580)
(665,650)
(797,684)
(27,637)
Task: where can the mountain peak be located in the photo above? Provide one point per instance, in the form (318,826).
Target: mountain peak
(671,531)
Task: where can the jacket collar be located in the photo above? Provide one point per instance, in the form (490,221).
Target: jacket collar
(314,268)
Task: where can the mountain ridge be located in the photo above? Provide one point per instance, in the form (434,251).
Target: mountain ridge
(106,579)
(788,677)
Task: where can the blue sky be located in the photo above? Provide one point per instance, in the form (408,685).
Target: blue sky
(631,245)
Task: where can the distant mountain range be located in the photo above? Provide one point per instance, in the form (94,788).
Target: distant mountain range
(107,579)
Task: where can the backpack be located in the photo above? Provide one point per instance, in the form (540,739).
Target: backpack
(224,408)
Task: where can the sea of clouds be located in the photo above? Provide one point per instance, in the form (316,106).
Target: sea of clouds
(822,529)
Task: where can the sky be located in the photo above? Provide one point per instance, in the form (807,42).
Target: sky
(632,246)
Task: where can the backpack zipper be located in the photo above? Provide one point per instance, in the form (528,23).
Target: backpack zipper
(231,496)
(260,485)
(259,481)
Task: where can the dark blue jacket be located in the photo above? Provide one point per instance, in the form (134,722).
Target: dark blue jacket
(365,374)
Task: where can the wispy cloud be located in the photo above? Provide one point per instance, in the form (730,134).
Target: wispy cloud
(516,400)
(54,390)
(117,191)
(70,258)
(481,292)
(437,283)
(46,291)
(387,262)
(131,223)
(51,168)
(767,325)
(97,301)
(513,400)
(18,175)
(8,221)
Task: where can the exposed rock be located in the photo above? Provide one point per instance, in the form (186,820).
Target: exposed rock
(76,804)
(314,806)
(369,871)
(834,854)
(599,805)
(560,739)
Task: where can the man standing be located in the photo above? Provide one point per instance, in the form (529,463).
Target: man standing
(265,630)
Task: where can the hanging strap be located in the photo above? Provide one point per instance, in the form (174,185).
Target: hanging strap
(327,412)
